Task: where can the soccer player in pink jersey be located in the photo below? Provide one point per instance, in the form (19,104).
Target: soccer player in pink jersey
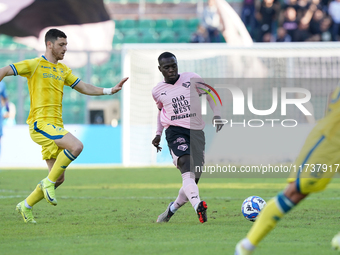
(180,114)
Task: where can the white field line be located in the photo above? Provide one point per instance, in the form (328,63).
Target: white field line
(157,198)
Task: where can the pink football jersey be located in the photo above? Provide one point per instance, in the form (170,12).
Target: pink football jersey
(178,107)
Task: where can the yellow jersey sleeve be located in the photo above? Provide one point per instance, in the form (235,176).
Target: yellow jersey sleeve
(25,68)
(70,79)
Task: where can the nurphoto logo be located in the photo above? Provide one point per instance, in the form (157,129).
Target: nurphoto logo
(239,102)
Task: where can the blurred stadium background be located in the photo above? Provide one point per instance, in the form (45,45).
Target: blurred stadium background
(111,39)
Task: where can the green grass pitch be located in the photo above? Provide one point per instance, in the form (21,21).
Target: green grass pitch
(113,211)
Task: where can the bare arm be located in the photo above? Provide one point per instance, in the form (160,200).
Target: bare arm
(5,71)
(309,14)
(156,141)
(91,90)
(217,112)
(159,124)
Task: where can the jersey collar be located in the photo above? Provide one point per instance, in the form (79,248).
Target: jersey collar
(179,77)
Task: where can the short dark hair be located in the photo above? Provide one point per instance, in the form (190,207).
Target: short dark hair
(53,34)
(165,55)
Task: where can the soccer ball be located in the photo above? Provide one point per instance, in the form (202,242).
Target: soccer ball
(252,206)
(336,242)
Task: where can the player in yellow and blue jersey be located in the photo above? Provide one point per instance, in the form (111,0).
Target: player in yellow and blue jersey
(46,80)
(313,169)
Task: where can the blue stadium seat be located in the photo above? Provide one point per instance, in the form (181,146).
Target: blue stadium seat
(146,24)
(181,23)
(167,36)
(131,37)
(180,26)
(118,37)
(5,41)
(125,24)
(193,23)
(184,37)
(149,36)
(163,24)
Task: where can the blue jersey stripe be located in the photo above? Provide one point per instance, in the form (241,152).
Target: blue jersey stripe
(52,137)
(305,161)
(14,69)
(75,83)
(44,57)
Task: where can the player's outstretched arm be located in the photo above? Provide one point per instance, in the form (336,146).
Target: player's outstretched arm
(5,71)
(91,90)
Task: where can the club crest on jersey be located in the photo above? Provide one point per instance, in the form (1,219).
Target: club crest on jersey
(59,130)
(186,84)
(183,147)
(61,71)
(179,140)
(54,69)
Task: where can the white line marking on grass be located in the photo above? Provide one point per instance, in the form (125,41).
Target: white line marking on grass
(7,197)
(13,191)
(276,186)
(160,198)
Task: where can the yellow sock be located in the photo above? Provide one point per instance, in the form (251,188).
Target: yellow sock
(35,196)
(268,218)
(63,160)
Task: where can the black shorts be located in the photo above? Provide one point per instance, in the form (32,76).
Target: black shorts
(183,141)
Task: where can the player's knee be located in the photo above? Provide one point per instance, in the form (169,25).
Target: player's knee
(77,148)
(80,147)
(183,163)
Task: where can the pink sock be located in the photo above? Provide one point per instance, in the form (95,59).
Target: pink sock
(190,188)
(181,199)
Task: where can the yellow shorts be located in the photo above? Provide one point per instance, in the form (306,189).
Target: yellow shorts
(316,164)
(44,134)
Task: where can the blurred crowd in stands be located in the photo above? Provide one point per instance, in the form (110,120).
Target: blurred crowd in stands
(292,20)
(278,21)
(210,28)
